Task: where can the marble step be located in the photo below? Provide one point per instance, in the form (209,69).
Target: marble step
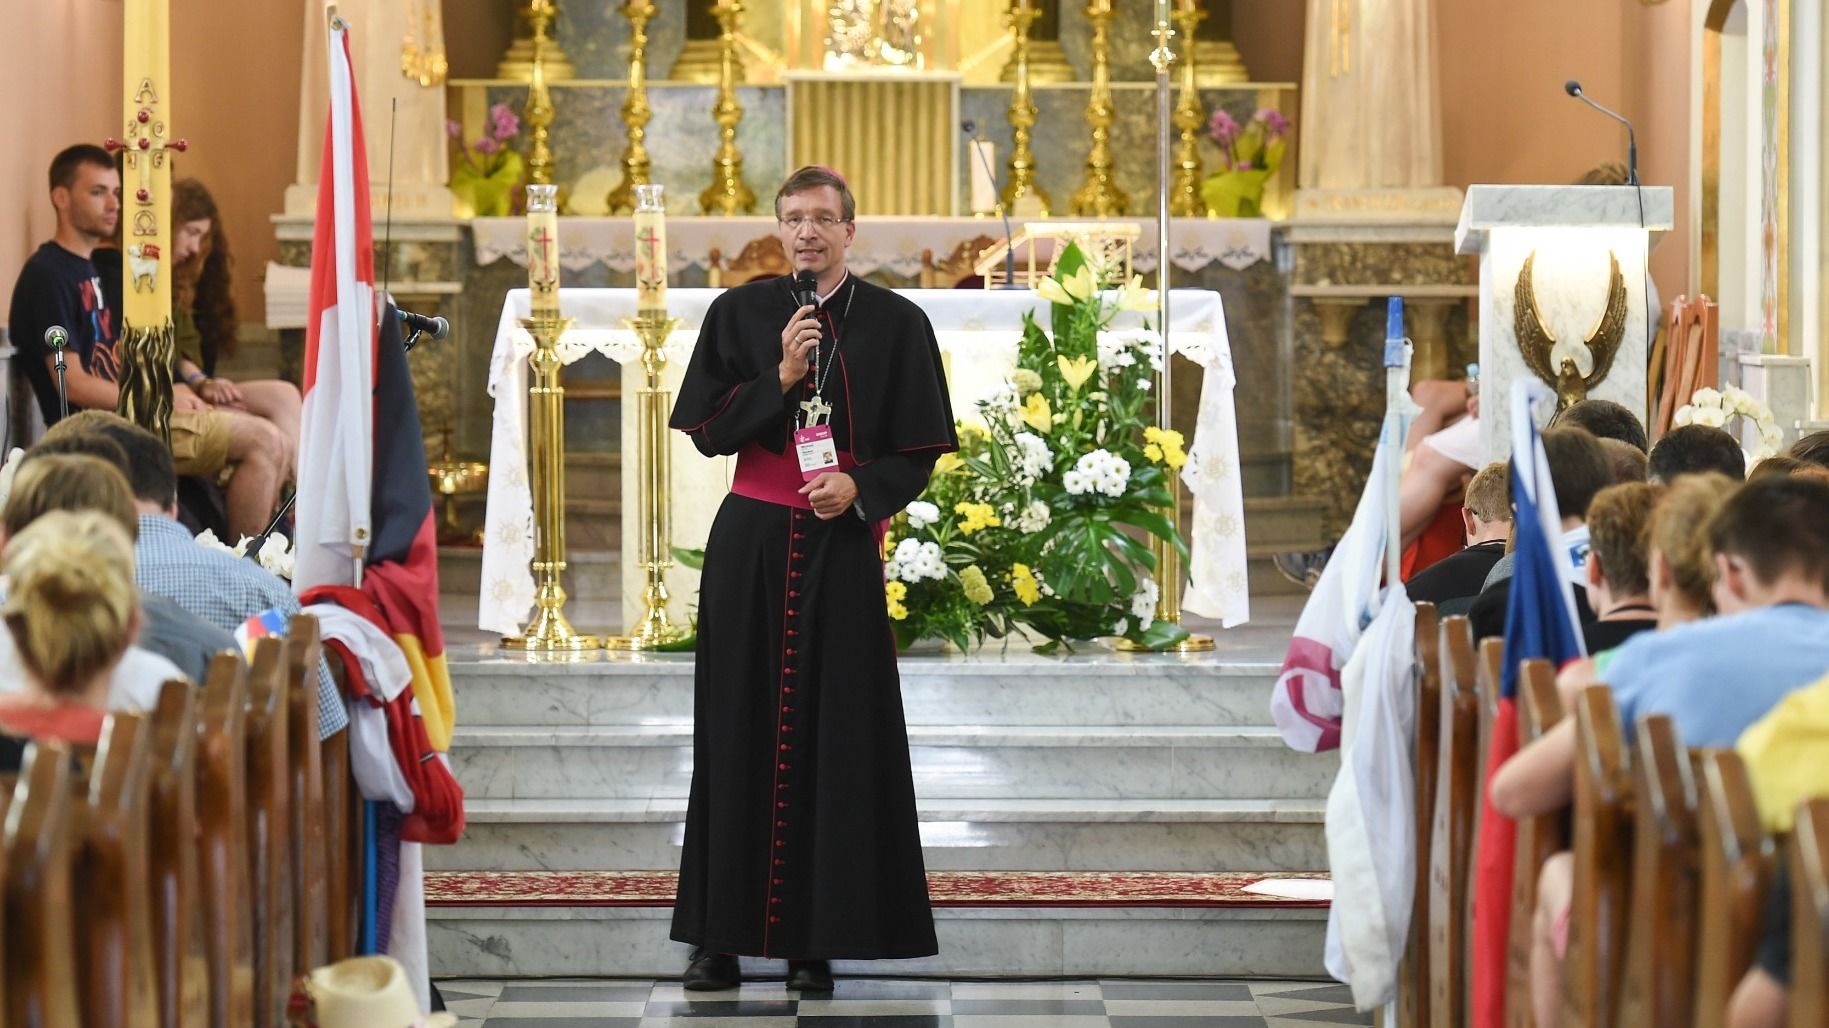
(500,942)
(976,835)
(949,762)
(1095,687)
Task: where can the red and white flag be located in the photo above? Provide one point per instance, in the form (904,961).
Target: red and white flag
(336,435)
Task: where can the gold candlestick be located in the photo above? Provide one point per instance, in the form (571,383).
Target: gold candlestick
(651,323)
(1099,195)
(550,631)
(635,110)
(1021,196)
(727,195)
(1190,117)
(517,63)
(539,111)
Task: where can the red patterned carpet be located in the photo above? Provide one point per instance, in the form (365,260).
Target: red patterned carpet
(945,888)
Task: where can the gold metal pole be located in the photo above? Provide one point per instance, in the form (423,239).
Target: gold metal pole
(539,111)
(654,489)
(1190,117)
(727,195)
(550,631)
(1021,196)
(635,110)
(1099,195)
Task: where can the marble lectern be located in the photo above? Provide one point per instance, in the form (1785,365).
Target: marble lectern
(1575,232)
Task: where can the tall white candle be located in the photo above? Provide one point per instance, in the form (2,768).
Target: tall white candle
(650,248)
(543,244)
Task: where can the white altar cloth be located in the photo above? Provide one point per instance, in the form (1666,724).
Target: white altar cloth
(894,243)
(977,331)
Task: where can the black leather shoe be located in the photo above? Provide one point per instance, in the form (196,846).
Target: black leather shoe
(711,972)
(809,975)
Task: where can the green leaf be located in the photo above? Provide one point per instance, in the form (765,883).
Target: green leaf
(1072,259)
(685,644)
(694,559)
(1159,636)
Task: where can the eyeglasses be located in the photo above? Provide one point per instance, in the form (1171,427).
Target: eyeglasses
(823,222)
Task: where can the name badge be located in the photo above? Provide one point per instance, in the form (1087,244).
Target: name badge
(817,452)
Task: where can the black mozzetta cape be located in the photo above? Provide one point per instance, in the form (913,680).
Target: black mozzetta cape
(890,408)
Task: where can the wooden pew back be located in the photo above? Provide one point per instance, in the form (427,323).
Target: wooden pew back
(1603,863)
(222,839)
(1660,948)
(183,973)
(1736,874)
(40,967)
(1452,830)
(1539,710)
(1810,915)
(1413,978)
(305,786)
(269,831)
(112,915)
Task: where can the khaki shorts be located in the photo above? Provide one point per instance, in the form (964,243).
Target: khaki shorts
(199,442)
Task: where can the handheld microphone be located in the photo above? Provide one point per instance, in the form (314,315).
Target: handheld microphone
(420,324)
(56,337)
(970,128)
(1573,88)
(806,289)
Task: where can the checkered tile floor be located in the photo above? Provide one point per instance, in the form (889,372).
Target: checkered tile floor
(886,1003)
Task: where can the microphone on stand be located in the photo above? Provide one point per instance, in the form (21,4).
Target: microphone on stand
(970,128)
(420,324)
(1573,88)
(57,338)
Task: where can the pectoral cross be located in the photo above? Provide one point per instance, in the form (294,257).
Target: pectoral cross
(816,410)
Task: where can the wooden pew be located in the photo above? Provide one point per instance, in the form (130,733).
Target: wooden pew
(1451,834)
(40,966)
(112,915)
(1603,863)
(183,971)
(222,839)
(1539,710)
(1413,977)
(269,831)
(305,786)
(1660,933)
(1736,873)
(1810,915)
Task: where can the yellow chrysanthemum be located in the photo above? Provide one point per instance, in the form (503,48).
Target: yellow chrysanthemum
(1022,580)
(1037,414)
(977,588)
(1077,370)
(977,516)
(897,612)
(895,591)
(888,544)
(1164,446)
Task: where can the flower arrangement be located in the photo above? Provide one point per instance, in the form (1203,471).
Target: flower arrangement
(1249,155)
(1716,407)
(1039,521)
(486,175)
(276,553)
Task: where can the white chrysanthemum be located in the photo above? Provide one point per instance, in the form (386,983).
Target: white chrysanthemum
(922,514)
(1033,458)
(1101,471)
(1076,483)
(1033,518)
(1121,627)
(1025,381)
(1143,604)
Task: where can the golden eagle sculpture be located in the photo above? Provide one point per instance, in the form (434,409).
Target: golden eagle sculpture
(1537,344)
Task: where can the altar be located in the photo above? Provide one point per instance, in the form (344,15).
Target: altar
(977,333)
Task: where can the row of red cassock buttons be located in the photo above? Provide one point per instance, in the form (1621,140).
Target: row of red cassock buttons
(789,652)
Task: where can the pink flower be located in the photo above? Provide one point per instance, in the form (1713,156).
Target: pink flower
(488,147)
(453,129)
(1273,121)
(504,122)
(1222,128)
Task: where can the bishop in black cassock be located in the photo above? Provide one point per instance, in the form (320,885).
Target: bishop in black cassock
(801,837)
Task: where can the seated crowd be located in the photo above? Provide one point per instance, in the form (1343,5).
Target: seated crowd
(1702,590)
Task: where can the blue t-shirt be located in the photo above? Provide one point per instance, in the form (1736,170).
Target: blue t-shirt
(1717,676)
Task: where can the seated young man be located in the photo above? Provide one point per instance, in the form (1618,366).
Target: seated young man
(1688,449)
(1714,677)
(1619,581)
(1453,582)
(61,286)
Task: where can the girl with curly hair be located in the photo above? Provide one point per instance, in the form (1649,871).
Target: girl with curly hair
(203,309)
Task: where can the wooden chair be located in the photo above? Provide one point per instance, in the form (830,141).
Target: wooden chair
(40,966)
(269,831)
(1690,358)
(1538,838)
(1660,933)
(1413,977)
(182,970)
(113,908)
(1810,915)
(1451,834)
(1736,874)
(222,839)
(305,785)
(1603,863)
(762,257)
